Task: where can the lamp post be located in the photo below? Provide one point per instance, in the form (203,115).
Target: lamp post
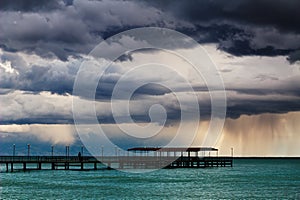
(28,150)
(81,150)
(52,150)
(14,150)
(67,151)
(231,152)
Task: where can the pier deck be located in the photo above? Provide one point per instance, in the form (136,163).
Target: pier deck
(117,162)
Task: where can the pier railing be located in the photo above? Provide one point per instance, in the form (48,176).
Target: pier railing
(45,159)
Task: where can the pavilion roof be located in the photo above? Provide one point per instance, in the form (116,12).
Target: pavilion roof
(173,149)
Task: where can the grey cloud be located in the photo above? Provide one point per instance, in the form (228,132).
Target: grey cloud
(263,77)
(66,28)
(29,5)
(292,92)
(240,27)
(34,109)
(294,56)
(70,30)
(152,89)
(27,108)
(56,77)
(47,34)
(281,14)
(128,56)
(125,57)
(237,108)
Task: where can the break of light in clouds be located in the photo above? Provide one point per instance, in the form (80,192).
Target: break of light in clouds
(54,133)
(42,44)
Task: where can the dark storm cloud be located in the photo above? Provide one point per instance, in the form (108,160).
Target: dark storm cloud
(125,57)
(252,107)
(281,14)
(105,89)
(128,56)
(62,29)
(29,5)
(237,105)
(51,119)
(235,25)
(294,56)
(152,89)
(57,79)
(67,28)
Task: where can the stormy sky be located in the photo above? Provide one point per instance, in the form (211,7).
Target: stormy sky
(254,44)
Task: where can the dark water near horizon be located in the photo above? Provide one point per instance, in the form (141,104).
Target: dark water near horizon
(248,179)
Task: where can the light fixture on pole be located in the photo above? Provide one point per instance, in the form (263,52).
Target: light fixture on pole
(28,150)
(52,150)
(14,150)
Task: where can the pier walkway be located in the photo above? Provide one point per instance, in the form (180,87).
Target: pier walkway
(141,159)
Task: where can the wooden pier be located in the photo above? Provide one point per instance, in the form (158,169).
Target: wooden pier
(160,158)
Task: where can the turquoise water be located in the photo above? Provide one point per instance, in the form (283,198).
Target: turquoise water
(248,179)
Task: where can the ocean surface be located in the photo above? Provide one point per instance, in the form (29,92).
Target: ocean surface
(247,179)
